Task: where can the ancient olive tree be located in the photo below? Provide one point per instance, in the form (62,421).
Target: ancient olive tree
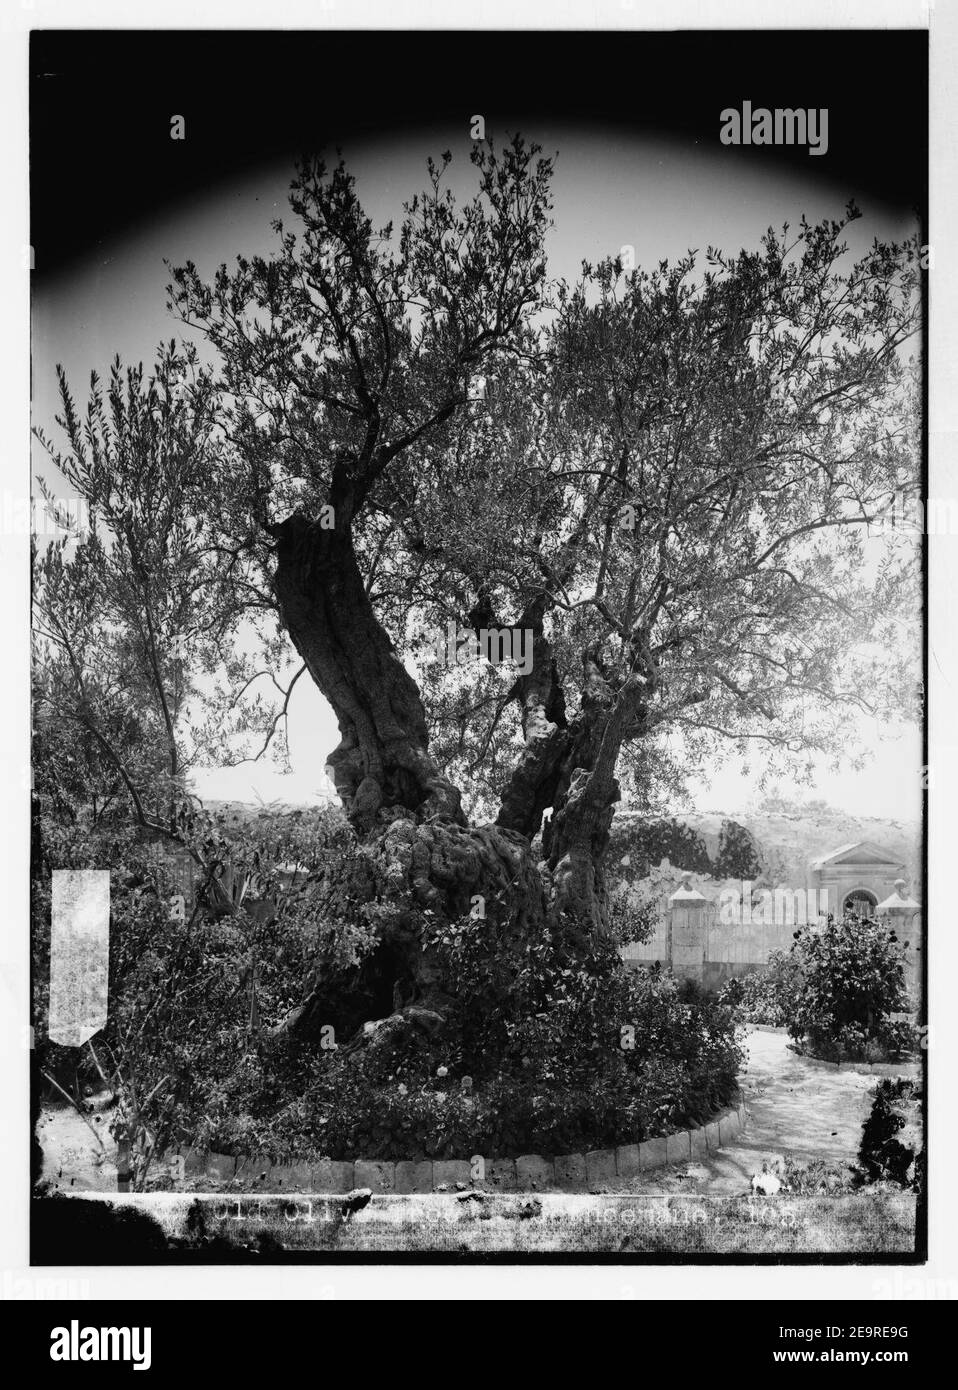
(663,480)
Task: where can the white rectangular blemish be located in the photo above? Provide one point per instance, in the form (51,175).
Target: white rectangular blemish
(79,954)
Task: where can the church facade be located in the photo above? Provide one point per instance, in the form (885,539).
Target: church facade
(858,876)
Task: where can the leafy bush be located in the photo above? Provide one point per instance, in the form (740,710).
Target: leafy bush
(188,989)
(632,917)
(579,1056)
(579,1053)
(558,1085)
(763,996)
(835,991)
(812,1178)
(852,978)
(891,1147)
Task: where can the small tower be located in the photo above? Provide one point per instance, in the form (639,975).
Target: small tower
(687,930)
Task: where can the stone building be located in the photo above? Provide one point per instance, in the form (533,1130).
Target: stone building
(857,876)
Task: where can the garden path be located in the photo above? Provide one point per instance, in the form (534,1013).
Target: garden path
(794,1109)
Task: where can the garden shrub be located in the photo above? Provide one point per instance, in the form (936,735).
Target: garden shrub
(835,991)
(191,990)
(852,979)
(763,996)
(814,1177)
(551,1091)
(891,1146)
(633,916)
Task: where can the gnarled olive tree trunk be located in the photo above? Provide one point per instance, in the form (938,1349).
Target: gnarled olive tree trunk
(576,837)
(418,861)
(382,761)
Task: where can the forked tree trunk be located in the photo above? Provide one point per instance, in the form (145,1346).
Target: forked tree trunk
(420,864)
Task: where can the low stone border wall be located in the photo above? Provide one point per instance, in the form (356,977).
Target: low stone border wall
(765,1028)
(871,1068)
(582,1172)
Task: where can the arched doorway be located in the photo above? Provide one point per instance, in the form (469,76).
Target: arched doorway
(861,901)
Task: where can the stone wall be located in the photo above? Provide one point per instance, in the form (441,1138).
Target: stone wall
(693,943)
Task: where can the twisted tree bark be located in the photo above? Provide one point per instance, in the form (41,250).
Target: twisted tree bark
(576,837)
(382,760)
(419,863)
(535,781)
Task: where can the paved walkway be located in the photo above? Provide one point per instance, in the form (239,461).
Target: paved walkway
(793,1108)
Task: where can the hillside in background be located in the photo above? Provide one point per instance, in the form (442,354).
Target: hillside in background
(771,846)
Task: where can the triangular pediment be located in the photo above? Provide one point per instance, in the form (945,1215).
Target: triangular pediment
(860,852)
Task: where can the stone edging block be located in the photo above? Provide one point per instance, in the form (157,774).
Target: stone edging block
(571,1173)
(501,1175)
(678,1147)
(590,1172)
(712,1137)
(414,1177)
(221,1167)
(534,1173)
(728,1127)
(450,1172)
(653,1153)
(628,1162)
(600,1168)
(380,1177)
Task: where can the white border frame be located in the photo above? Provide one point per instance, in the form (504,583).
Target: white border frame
(502,1281)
